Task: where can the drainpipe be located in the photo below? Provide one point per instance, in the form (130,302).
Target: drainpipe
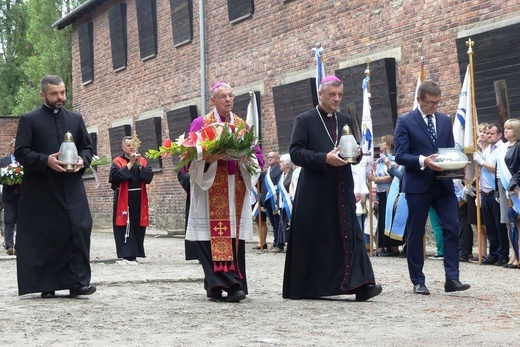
(202,58)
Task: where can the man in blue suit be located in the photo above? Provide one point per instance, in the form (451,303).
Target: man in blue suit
(418,136)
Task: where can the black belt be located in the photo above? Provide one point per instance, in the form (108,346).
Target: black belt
(490,193)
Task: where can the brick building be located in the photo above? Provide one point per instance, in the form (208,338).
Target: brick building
(8,125)
(137,66)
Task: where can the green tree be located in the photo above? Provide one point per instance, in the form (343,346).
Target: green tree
(14,50)
(52,50)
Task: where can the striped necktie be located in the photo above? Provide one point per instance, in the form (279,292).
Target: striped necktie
(431,128)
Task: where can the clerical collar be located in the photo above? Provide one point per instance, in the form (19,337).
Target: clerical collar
(334,140)
(322,112)
(53,110)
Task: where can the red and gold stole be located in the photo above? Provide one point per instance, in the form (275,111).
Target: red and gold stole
(219,217)
(122,199)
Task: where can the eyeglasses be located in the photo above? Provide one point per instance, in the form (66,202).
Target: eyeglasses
(432,103)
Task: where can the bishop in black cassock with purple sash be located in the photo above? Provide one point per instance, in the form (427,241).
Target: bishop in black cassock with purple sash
(326,252)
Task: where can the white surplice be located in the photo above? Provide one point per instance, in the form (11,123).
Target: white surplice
(200,182)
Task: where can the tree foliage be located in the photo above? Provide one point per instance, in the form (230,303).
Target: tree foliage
(15,49)
(40,50)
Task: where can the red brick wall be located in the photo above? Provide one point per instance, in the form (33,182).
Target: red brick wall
(275,43)
(8,126)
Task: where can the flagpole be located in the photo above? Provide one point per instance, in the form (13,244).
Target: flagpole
(370,198)
(422,75)
(421,80)
(470,44)
(259,225)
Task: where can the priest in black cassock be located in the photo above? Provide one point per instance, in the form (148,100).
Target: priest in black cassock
(54,221)
(326,253)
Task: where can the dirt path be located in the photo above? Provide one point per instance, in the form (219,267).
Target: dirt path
(161,302)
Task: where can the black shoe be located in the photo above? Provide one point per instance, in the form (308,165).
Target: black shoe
(48,295)
(389,254)
(475,259)
(501,262)
(489,261)
(236,296)
(368,291)
(421,289)
(455,286)
(85,290)
(436,257)
(257,247)
(216,295)
(463,259)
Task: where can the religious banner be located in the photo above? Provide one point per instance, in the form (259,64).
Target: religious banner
(367,143)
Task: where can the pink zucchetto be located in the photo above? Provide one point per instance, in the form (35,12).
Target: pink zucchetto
(330,78)
(216,85)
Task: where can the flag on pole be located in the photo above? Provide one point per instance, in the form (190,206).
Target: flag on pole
(463,125)
(415,103)
(320,68)
(420,80)
(255,202)
(252,114)
(367,143)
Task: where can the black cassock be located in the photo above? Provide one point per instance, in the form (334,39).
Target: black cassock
(133,246)
(54,222)
(326,252)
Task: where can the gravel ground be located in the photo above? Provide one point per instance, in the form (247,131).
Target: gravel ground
(161,302)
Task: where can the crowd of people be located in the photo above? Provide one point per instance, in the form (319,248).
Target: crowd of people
(314,200)
(406,202)
(495,203)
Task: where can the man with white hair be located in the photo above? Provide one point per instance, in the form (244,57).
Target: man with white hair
(220,217)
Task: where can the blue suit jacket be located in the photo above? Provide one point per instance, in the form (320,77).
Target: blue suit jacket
(412,139)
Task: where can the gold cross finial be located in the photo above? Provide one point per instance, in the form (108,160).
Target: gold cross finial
(470,44)
(367,71)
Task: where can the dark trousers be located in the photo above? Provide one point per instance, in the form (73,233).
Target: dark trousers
(274,219)
(445,204)
(496,231)
(10,215)
(383,241)
(465,233)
